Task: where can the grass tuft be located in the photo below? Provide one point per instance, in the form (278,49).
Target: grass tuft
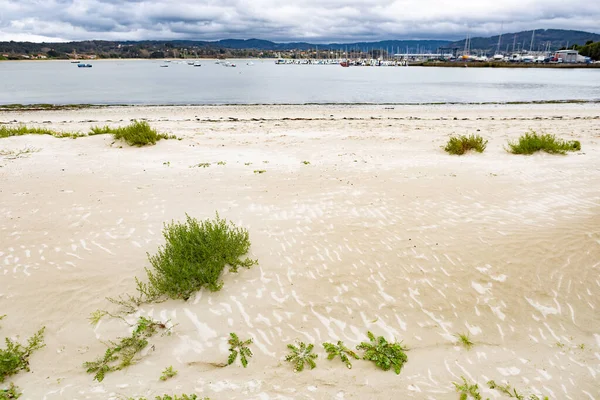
(531,142)
(459,145)
(465,340)
(15,357)
(300,355)
(20,130)
(138,133)
(385,355)
(194,256)
(260,171)
(122,354)
(168,373)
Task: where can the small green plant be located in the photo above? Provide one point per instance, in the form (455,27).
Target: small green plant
(248,163)
(300,355)
(174,397)
(512,392)
(168,373)
(341,350)
(259,171)
(236,346)
(2,317)
(467,390)
(15,357)
(138,133)
(221,163)
(96,316)
(10,393)
(306,162)
(167,163)
(201,165)
(194,256)
(459,145)
(531,142)
(465,340)
(385,355)
(120,355)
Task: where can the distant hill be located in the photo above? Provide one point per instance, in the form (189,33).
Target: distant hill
(522,40)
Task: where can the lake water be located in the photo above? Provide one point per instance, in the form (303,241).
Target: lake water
(145,82)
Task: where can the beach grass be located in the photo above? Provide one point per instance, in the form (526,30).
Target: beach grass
(465,340)
(531,143)
(20,130)
(194,256)
(459,145)
(138,133)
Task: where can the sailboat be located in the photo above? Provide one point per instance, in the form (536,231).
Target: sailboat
(498,56)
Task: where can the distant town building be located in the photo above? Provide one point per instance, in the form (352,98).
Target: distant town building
(567,56)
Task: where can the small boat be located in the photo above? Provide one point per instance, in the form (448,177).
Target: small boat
(82,65)
(164,66)
(197,64)
(250,63)
(345,64)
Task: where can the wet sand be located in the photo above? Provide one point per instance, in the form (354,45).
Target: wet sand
(382,231)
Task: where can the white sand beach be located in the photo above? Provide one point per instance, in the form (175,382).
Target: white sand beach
(382,231)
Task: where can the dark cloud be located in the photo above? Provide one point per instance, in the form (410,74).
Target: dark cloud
(299,20)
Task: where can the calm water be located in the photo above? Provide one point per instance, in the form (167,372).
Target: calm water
(144,82)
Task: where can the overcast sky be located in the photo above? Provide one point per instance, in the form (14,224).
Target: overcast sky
(316,21)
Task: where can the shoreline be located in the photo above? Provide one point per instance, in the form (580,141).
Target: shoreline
(50,107)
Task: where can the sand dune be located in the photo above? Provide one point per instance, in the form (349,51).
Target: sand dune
(382,231)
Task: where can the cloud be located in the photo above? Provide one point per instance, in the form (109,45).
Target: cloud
(314,20)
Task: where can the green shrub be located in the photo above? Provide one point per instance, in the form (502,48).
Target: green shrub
(194,256)
(385,355)
(120,355)
(135,134)
(15,357)
(7,131)
(300,355)
(10,393)
(531,142)
(461,144)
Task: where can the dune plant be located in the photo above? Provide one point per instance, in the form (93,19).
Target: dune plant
(122,354)
(341,350)
(138,133)
(301,355)
(194,256)
(531,142)
(385,355)
(512,392)
(465,340)
(174,397)
(200,165)
(168,373)
(236,346)
(20,130)
(467,390)
(459,145)
(10,393)
(260,171)
(15,357)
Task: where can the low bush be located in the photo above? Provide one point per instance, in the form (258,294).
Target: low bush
(168,373)
(15,357)
(459,145)
(138,133)
(194,256)
(531,142)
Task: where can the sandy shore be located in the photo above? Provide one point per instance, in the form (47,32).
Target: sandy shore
(382,231)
